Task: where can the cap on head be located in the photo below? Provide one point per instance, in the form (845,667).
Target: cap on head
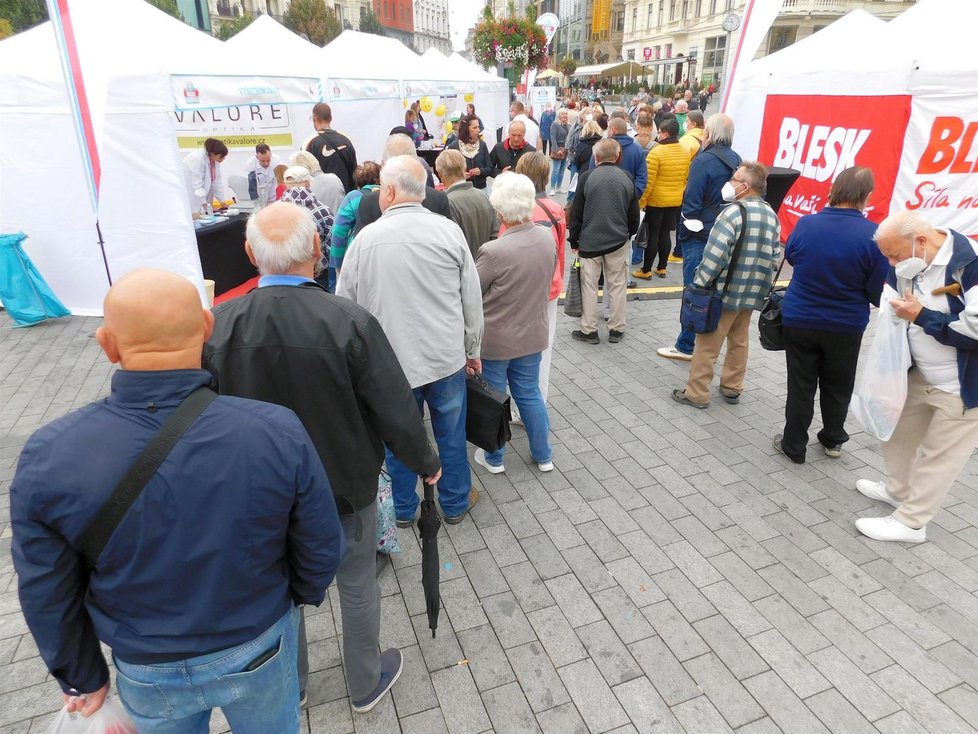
(295,175)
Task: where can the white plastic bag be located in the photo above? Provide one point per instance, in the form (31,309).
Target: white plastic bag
(881,389)
(110,719)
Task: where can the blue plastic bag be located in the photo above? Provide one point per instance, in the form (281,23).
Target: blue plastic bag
(25,294)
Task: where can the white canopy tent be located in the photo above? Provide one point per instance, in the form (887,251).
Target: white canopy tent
(900,100)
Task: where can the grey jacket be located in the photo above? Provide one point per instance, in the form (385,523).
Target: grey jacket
(515,272)
(474,214)
(558,135)
(605,213)
(413,271)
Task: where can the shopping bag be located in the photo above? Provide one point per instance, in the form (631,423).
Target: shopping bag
(25,294)
(573,305)
(487,414)
(881,389)
(769,325)
(387,538)
(110,719)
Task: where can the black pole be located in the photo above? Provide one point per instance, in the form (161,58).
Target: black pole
(101,246)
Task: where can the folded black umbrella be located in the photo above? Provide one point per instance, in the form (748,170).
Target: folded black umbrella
(428,525)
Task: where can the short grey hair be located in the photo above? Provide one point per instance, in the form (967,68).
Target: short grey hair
(720,129)
(606,150)
(517,122)
(307,160)
(617,126)
(275,257)
(903,224)
(513,197)
(399,144)
(406,174)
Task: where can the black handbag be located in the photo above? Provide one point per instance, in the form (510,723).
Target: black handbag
(769,326)
(702,306)
(573,300)
(487,414)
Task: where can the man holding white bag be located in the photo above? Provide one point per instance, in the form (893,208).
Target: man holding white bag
(933,285)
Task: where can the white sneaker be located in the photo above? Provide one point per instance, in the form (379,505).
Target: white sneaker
(673,353)
(552,192)
(480,459)
(889,528)
(546,466)
(876,491)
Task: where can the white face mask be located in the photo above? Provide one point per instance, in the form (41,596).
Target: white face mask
(912,266)
(729,192)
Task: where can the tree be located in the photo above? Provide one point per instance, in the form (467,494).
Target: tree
(6,29)
(487,12)
(567,65)
(23,14)
(229,28)
(532,12)
(169,7)
(314,19)
(369,23)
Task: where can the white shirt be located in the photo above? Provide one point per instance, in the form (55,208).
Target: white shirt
(532,130)
(936,362)
(265,178)
(198,170)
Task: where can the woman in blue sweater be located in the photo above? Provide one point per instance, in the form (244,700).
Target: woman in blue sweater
(838,272)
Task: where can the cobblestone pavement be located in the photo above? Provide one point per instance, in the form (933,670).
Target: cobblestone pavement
(672,574)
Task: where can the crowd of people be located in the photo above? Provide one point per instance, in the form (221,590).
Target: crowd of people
(380,291)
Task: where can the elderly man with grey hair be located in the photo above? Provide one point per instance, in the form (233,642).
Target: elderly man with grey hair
(434,200)
(932,291)
(290,342)
(703,201)
(413,270)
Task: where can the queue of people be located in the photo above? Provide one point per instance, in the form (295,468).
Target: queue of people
(266,491)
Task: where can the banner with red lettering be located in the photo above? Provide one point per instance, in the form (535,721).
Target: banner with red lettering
(822,135)
(939,168)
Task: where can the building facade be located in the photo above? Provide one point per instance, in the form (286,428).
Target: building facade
(431,26)
(685,40)
(224,10)
(397,17)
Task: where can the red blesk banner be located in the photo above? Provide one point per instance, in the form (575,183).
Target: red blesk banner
(821,136)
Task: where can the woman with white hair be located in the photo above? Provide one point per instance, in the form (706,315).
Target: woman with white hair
(327,187)
(515,272)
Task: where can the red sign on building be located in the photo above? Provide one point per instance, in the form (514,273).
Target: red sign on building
(821,136)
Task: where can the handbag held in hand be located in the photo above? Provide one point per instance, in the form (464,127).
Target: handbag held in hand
(487,414)
(769,326)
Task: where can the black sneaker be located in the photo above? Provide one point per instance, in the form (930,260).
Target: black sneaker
(780,449)
(731,397)
(391,665)
(615,336)
(591,338)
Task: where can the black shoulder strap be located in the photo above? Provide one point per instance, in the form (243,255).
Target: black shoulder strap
(104,524)
(735,256)
(549,215)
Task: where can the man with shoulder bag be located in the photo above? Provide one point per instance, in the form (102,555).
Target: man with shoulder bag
(747,278)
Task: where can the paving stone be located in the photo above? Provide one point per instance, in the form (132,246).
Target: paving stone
(635,581)
(932,713)
(483,573)
(527,586)
(730,647)
(591,572)
(556,635)
(692,563)
(505,548)
(648,555)
(426,722)
(837,714)
(853,683)
(629,623)
(672,627)
(562,720)
(743,578)
(795,591)
(608,652)
(724,691)
(902,615)
(862,616)
(593,697)
(687,598)
(537,676)
(462,604)
(460,702)
(900,584)
(544,556)
(509,710)
(867,656)
(783,706)
(508,620)
(602,541)
(442,650)
(796,629)
(787,662)
(667,674)
(899,723)
(646,709)
(736,609)
(795,559)
(963,630)
(413,691)
(520,520)
(928,670)
(700,715)
(487,661)
(963,700)
(957,658)
(573,600)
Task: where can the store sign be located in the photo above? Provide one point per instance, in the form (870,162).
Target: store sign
(821,136)
(647,53)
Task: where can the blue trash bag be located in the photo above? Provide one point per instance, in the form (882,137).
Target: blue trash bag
(25,295)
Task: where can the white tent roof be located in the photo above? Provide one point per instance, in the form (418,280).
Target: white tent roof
(268,47)
(355,55)
(465,66)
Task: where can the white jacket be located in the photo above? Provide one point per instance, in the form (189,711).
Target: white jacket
(264,178)
(201,188)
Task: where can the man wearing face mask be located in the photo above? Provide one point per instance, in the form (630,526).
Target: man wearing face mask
(933,286)
(413,270)
(754,221)
(702,202)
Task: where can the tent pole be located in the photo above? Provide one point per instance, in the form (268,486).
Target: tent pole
(101,247)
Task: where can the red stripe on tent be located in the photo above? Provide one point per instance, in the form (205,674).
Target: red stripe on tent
(78,81)
(728,82)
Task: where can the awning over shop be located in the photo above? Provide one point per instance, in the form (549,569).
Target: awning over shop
(618,68)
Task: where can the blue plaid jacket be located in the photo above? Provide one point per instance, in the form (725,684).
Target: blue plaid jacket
(759,255)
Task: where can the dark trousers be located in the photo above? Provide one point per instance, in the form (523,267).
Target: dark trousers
(826,360)
(658,223)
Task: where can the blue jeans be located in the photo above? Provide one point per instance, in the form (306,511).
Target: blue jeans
(446,403)
(557,174)
(692,257)
(177,697)
(523,376)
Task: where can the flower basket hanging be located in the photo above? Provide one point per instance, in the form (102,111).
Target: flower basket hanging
(518,42)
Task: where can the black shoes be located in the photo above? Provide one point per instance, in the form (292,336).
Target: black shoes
(615,336)
(591,338)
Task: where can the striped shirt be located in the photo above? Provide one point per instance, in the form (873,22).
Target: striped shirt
(759,254)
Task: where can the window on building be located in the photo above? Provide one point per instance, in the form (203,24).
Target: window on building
(620,21)
(648,21)
(673,5)
(685,9)
(698,9)
(635,18)
(631,54)
(782,37)
(713,7)
(668,50)
(713,53)
(363,12)
(662,9)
